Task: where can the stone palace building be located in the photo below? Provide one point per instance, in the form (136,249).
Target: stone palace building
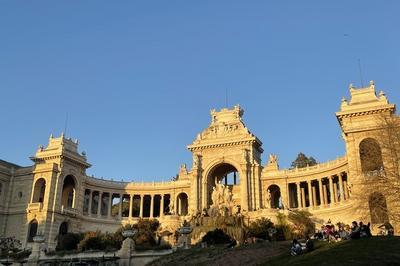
(55,195)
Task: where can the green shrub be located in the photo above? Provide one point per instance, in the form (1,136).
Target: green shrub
(146,232)
(216,237)
(302,223)
(9,245)
(20,255)
(145,236)
(92,241)
(68,241)
(259,228)
(284,230)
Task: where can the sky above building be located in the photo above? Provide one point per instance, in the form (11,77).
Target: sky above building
(138,79)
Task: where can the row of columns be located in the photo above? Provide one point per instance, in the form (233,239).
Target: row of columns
(121,198)
(328,193)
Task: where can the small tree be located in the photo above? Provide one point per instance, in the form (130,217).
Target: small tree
(216,237)
(68,241)
(378,189)
(303,161)
(302,223)
(9,244)
(146,232)
(283,228)
(259,228)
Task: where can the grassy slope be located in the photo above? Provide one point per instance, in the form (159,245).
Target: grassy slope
(374,251)
(219,255)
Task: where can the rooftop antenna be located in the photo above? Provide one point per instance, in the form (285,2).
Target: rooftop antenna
(360,70)
(66,124)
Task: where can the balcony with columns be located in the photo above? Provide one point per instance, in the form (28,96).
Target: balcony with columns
(318,193)
(130,207)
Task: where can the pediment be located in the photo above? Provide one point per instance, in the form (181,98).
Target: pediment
(226,127)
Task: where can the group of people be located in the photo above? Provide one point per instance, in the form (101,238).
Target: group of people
(331,233)
(343,232)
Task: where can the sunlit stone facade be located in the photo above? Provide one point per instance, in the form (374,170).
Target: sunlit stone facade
(55,195)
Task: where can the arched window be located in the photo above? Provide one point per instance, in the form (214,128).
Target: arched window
(63,228)
(68,192)
(32,230)
(39,190)
(371,157)
(182,204)
(274,197)
(378,208)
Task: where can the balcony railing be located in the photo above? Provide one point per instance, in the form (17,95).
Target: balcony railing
(69,211)
(35,206)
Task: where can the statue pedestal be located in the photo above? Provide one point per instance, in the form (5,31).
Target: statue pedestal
(126,252)
(37,250)
(184,241)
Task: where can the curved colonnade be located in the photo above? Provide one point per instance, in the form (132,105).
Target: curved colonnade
(105,199)
(317,187)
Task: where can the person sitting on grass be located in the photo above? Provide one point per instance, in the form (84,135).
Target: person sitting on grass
(309,244)
(355,231)
(343,234)
(318,235)
(232,244)
(296,248)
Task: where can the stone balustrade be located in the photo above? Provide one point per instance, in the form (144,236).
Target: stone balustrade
(36,206)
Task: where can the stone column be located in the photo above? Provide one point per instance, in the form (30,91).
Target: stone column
(325,194)
(90,202)
(204,199)
(330,178)
(178,206)
(314,194)
(244,179)
(286,198)
(310,194)
(130,206)
(335,192)
(162,206)
(342,196)
(321,193)
(99,204)
(120,206)
(298,195)
(303,197)
(151,206)
(346,190)
(109,205)
(141,206)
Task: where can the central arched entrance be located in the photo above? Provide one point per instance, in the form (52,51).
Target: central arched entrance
(227,175)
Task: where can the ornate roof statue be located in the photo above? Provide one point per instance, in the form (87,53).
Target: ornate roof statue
(226,127)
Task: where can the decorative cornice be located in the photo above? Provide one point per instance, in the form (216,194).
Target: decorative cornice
(366,112)
(224,144)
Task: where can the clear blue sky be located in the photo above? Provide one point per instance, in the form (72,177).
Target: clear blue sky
(138,78)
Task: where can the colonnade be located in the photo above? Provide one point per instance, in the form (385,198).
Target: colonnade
(318,192)
(110,205)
